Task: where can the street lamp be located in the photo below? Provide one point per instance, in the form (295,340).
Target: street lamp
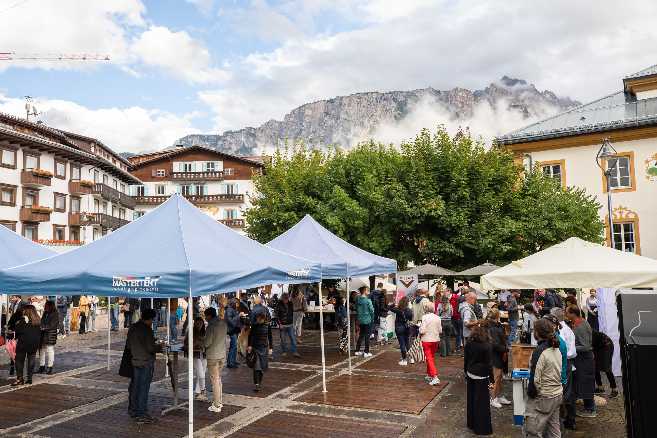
(606,152)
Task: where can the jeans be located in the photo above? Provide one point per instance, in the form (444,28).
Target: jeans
(364,335)
(114,317)
(447,332)
(288,331)
(513,325)
(62,321)
(21,358)
(298,323)
(127,319)
(140,385)
(402,337)
(610,377)
(163,316)
(232,351)
(173,327)
(67,321)
(214,368)
(458,332)
(91,320)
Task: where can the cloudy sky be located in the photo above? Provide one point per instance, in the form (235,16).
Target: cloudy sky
(183,66)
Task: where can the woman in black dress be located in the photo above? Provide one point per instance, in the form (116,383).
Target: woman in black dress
(478,367)
(260,344)
(28,336)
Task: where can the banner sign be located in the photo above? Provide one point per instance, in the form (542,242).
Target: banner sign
(406,284)
(130,283)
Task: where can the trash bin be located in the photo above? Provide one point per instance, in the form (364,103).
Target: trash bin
(637,316)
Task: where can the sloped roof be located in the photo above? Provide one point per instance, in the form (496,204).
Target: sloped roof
(652,70)
(608,113)
(143,159)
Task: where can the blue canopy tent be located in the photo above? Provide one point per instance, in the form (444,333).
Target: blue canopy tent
(173,251)
(17,250)
(339,259)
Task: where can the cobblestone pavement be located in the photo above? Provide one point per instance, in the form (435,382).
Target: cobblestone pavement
(379,399)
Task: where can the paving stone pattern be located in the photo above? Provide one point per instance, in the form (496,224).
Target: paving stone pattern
(379,399)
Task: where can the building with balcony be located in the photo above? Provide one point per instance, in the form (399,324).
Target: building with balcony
(564,147)
(58,187)
(217,183)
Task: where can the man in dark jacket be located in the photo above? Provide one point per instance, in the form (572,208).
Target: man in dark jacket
(141,343)
(285,312)
(234,323)
(551,300)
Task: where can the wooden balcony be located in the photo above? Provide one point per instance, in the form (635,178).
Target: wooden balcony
(233,223)
(35,178)
(198,176)
(102,219)
(111,194)
(35,214)
(80,188)
(196,199)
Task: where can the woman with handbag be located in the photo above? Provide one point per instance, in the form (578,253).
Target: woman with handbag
(28,336)
(499,352)
(49,325)
(260,344)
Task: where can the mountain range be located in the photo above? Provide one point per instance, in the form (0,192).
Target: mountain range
(390,116)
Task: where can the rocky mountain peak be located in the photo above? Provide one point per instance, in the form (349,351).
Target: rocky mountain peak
(346,120)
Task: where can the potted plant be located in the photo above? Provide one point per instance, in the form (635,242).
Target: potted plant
(86,183)
(42,172)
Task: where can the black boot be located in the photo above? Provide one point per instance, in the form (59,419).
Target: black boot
(42,369)
(49,370)
(18,382)
(11,369)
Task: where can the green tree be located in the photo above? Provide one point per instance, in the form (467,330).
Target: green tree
(440,199)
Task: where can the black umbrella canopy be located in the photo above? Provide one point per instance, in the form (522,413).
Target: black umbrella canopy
(428,270)
(478,271)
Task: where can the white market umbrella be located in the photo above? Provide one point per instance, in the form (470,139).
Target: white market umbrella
(575,263)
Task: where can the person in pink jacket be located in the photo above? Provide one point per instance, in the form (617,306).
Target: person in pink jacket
(430,330)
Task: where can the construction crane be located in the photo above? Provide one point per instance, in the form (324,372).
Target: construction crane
(14,56)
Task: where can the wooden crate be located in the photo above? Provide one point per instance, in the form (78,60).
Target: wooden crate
(521,355)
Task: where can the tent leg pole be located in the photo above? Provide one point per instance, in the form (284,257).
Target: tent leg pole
(348,326)
(321,340)
(109,329)
(190,362)
(166,356)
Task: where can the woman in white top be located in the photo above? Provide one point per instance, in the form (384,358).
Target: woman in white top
(430,329)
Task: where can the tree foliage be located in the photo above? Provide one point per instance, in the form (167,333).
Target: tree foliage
(439,199)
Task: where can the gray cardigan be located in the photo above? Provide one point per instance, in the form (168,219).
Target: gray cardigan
(583,337)
(215,339)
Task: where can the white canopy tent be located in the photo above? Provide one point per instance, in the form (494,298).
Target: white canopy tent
(575,263)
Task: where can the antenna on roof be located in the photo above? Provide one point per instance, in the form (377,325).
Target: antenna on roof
(30,108)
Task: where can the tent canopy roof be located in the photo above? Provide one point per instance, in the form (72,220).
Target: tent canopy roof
(339,259)
(477,271)
(575,263)
(165,253)
(428,270)
(17,250)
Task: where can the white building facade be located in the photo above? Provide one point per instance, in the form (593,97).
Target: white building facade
(60,188)
(217,183)
(565,147)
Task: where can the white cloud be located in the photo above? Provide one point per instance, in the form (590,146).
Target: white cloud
(177,53)
(117,28)
(132,129)
(570,48)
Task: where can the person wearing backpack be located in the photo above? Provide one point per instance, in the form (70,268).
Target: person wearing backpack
(403,316)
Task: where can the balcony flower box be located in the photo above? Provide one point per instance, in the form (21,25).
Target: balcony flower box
(42,173)
(41,210)
(86,183)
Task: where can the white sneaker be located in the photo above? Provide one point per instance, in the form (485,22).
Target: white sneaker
(435,381)
(403,363)
(503,400)
(358,353)
(428,379)
(367,355)
(214,408)
(411,361)
(494,403)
